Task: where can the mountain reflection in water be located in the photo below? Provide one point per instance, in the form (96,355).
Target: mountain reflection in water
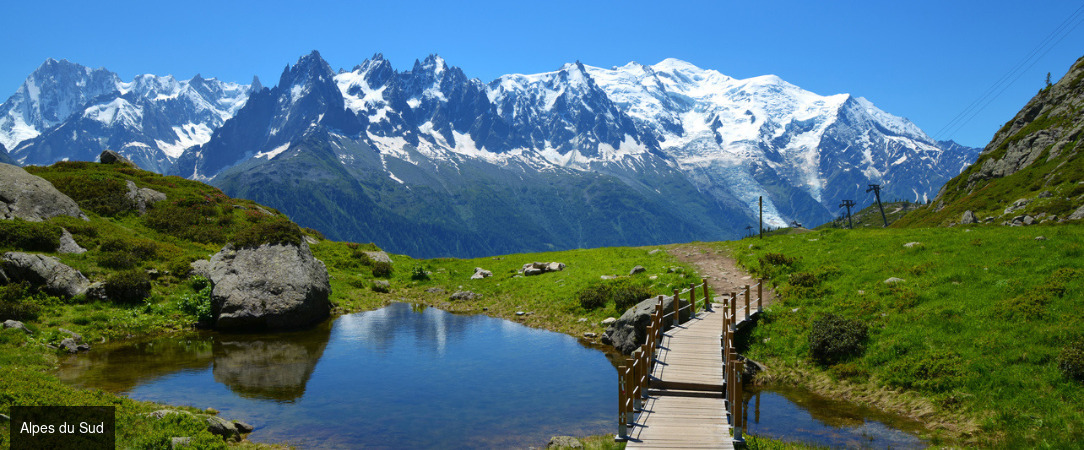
(401,376)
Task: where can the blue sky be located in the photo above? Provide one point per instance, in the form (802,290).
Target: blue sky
(924,60)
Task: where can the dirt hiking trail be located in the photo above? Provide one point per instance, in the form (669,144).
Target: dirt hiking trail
(719,268)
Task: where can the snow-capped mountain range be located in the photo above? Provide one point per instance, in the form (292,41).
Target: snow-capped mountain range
(628,155)
(67,111)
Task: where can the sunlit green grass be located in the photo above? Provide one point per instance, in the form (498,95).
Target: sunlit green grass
(975,328)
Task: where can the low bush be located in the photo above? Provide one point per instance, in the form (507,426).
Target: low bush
(624,294)
(833,339)
(1071,360)
(198,305)
(128,286)
(104,194)
(17,302)
(274,232)
(419,274)
(381,269)
(29,236)
(191,219)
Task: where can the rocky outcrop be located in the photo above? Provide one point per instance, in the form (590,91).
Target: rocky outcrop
(68,244)
(539,268)
(968,218)
(630,330)
(32,198)
(480,273)
(378,256)
(143,197)
(270,287)
(112,157)
(47,272)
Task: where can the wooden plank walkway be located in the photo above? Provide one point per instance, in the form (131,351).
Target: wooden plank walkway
(685,406)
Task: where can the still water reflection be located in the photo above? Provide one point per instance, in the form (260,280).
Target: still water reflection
(796,415)
(401,376)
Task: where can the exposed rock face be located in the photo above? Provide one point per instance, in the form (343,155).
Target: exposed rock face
(968,218)
(30,197)
(268,287)
(1059,101)
(380,256)
(54,277)
(539,268)
(143,197)
(112,157)
(68,244)
(629,332)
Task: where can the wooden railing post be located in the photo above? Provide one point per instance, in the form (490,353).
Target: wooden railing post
(692,301)
(622,400)
(707,297)
(747,301)
(677,310)
(760,295)
(733,308)
(736,405)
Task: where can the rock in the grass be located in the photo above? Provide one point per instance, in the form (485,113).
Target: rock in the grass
(269,287)
(143,197)
(609,320)
(968,218)
(216,425)
(112,157)
(894,280)
(539,268)
(16,325)
(588,334)
(1040,238)
(1017,205)
(76,336)
(54,277)
(464,296)
(520,313)
(436,290)
(1029,220)
(532,271)
(69,345)
(32,198)
(378,256)
(637,269)
(68,244)
(480,273)
(381,286)
(1078,214)
(555,267)
(564,442)
(654,251)
(912,244)
(629,331)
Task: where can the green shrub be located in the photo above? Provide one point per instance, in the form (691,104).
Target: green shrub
(1071,360)
(381,269)
(276,231)
(191,219)
(803,279)
(776,259)
(128,286)
(17,302)
(932,371)
(833,339)
(198,305)
(382,287)
(29,236)
(125,253)
(624,294)
(419,274)
(105,194)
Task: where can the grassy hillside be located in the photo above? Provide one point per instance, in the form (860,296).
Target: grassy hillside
(982,338)
(870,216)
(151,253)
(1035,157)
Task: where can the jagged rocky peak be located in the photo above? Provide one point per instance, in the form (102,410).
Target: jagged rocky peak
(308,68)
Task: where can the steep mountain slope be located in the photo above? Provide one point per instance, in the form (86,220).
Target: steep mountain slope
(4,157)
(65,111)
(1031,168)
(765,137)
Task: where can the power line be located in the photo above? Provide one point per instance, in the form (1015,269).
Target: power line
(1002,84)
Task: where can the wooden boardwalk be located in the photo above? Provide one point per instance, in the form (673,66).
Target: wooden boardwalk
(686,400)
(673,415)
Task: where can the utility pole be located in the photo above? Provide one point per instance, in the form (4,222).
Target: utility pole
(876,188)
(848,204)
(762,217)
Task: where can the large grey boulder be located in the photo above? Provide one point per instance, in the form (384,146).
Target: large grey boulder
(629,332)
(143,197)
(269,287)
(1078,214)
(968,218)
(54,277)
(68,244)
(112,157)
(378,256)
(32,198)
